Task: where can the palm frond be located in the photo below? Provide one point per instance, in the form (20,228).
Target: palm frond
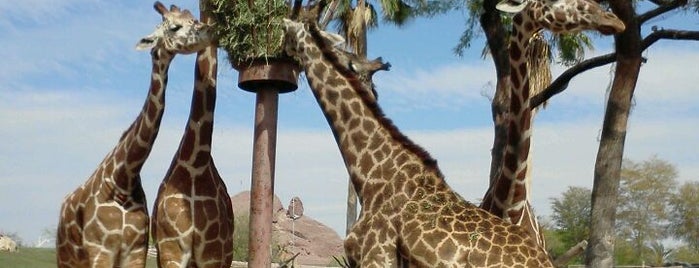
(538,63)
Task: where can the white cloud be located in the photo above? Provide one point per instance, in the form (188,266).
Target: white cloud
(445,86)
(38,11)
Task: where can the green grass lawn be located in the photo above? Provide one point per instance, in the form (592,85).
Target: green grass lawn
(39,258)
(29,258)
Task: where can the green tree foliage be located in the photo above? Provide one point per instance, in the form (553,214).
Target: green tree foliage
(624,253)
(651,207)
(644,199)
(570,48)
(571,215)
(684,214)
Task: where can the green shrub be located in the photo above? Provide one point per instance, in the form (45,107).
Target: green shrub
(240,237)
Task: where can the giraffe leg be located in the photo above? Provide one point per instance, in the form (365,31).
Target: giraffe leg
(370,246)
(102,237)
(135,258)
(172,255)
(352,249)
(135,238)
(381,255)
(99,256)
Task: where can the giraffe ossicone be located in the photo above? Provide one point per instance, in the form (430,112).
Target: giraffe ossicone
(104,222)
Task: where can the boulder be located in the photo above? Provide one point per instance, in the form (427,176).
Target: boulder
(7,244)
(314,242)
(295,209)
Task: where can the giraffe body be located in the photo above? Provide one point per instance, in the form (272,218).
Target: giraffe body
(508,195)
(104,222)
(410,217)
(193,215)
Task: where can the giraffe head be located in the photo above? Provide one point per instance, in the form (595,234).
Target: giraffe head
(564,15)
(179,32)
(297,36)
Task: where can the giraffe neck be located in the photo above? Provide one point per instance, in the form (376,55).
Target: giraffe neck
(196,142)
(509,196)
(136,142)
(365,137)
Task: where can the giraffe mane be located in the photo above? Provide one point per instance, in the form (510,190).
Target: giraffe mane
(356,84)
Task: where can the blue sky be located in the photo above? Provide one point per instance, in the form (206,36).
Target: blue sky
(71,82)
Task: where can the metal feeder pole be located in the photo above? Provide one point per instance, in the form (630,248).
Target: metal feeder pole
(267,78)
(262,187)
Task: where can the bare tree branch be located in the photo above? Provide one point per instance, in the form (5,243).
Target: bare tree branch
(668,34)
(663,8)
(576,250)
(561,82)
(660,2)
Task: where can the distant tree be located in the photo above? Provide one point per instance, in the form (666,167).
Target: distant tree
(571,215)
(645,191)
(47,238)
(554,243)
(684,212)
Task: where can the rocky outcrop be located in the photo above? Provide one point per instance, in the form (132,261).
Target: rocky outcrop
(314,242)
(295,209)
(7,244)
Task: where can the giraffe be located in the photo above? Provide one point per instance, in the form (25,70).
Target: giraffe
(410,216)
(508,195)
(193,215)
(104,222)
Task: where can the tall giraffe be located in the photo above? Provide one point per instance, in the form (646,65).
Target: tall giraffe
(104,222)
(410,216)
(508,194)
(193,215)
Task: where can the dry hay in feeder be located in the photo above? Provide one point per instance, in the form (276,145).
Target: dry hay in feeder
(250,29)
(538,64)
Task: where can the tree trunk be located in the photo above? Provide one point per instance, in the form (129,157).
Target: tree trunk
(600,250)
(495,35)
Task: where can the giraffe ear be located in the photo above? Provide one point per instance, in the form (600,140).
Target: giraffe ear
(332,38)
(146,42)
(512,6)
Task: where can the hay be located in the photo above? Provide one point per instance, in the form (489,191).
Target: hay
(249,29)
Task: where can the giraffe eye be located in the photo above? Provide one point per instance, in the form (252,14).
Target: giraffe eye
(175,28)
(352,67)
